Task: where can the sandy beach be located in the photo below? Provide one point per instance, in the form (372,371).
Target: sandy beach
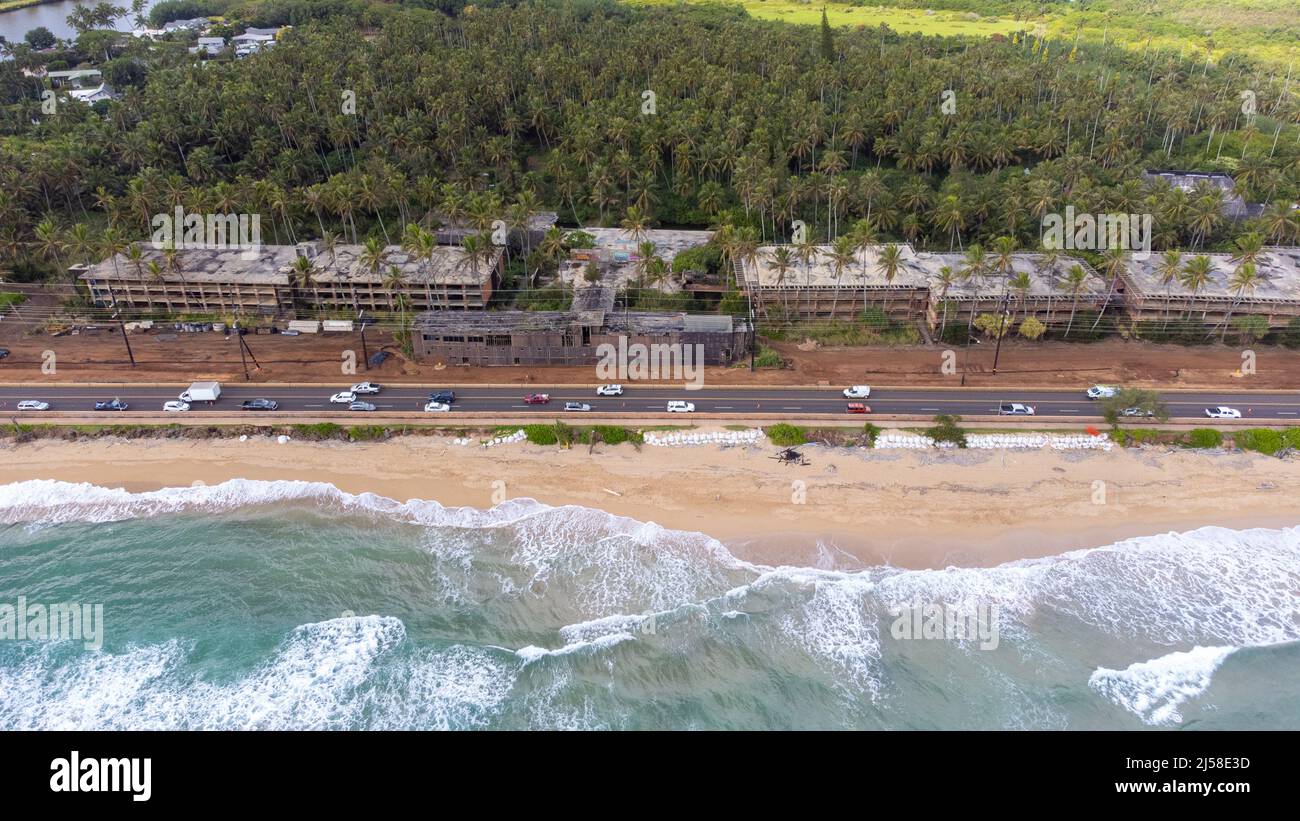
(904,508)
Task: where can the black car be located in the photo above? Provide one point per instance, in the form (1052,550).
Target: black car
(4,352)
(259,404)
(115,405)
(446,397)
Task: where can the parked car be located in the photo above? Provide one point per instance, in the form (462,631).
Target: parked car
(537,399)
(577,406)
(176,406)
(857,392)
(4,352)
(857,407)
(1223,412)
(437,407)
(1014,409)
(33,405)
(361,406)
(1102,391)
(609,390)
(444,397)
(678,406)
(343,398)
(366,387)
(115,405)
(1137,412)
(259,404)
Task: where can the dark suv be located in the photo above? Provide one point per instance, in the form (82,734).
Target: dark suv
(446,397)
(259,404)
(115,405)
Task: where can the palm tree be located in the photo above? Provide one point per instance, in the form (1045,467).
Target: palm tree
(807,253)
(889,263)
(946,279)
(634,223)
(394,281)
(304,271)
(1197,273)
(782,259)
(1075,280)
(1168,269)
(1112,262)
(1244,279)
(842,255)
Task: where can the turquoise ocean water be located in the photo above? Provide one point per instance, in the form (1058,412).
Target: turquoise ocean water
(294,605)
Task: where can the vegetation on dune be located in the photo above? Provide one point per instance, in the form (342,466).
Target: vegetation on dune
(786,435)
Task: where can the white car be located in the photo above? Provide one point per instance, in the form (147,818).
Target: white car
(176,406)
(365,387)
(33,404)
(1223,412)
(1102,391)
(609,390)
(361,406)
(1014,409)
(343,398)
(437,407)
(857,392)
(577,406)
(678,406)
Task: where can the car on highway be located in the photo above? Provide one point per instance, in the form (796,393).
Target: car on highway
(857,392)
(176,406)
(577,406)
(1014,409)
(1102,391)
(115,405)
(1137,412)
(437,407)
(259,404)
(343,398)
(679,406)
(537,399)
(33,405)
(361,406)
(444,397)
(366,387)
(857,407)
(609,390)
(1223,412)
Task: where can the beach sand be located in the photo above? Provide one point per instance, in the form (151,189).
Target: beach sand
(905,508)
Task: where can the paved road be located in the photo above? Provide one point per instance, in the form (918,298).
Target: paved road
(800,402)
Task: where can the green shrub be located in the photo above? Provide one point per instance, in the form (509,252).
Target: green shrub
(320,430)
(1291,438)
(768,358)
(1261,440)
(947,428)
(1205,438)
(786,435)
(366,433)
(872,432)
(541,434)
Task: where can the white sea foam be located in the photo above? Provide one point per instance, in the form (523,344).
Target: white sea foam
(322,676)
(1153,690)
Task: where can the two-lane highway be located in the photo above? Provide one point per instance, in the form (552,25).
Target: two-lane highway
(1276,407)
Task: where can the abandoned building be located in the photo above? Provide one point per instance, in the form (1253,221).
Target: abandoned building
(569,337)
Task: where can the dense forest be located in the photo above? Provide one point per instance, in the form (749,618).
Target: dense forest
(682,116)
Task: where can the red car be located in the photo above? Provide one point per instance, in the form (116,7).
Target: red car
(857,407)
(537,399)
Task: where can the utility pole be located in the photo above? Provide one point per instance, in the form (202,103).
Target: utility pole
(122,327)
(365,353)
(242,360)
(1002,321)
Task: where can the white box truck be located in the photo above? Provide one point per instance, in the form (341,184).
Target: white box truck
(202,392)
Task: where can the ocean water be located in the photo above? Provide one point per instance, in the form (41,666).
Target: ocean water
(295,605)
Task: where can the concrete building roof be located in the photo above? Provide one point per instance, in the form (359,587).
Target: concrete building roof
(668,242)
(634,322)
(273,264)
(1043,282)
(1278,268)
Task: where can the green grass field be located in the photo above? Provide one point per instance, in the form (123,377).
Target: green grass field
(905,21)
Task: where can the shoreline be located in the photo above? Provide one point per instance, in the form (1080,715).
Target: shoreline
(849,508)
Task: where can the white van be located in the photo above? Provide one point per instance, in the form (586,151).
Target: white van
(857,392)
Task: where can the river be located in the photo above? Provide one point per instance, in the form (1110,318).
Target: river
(54,16)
